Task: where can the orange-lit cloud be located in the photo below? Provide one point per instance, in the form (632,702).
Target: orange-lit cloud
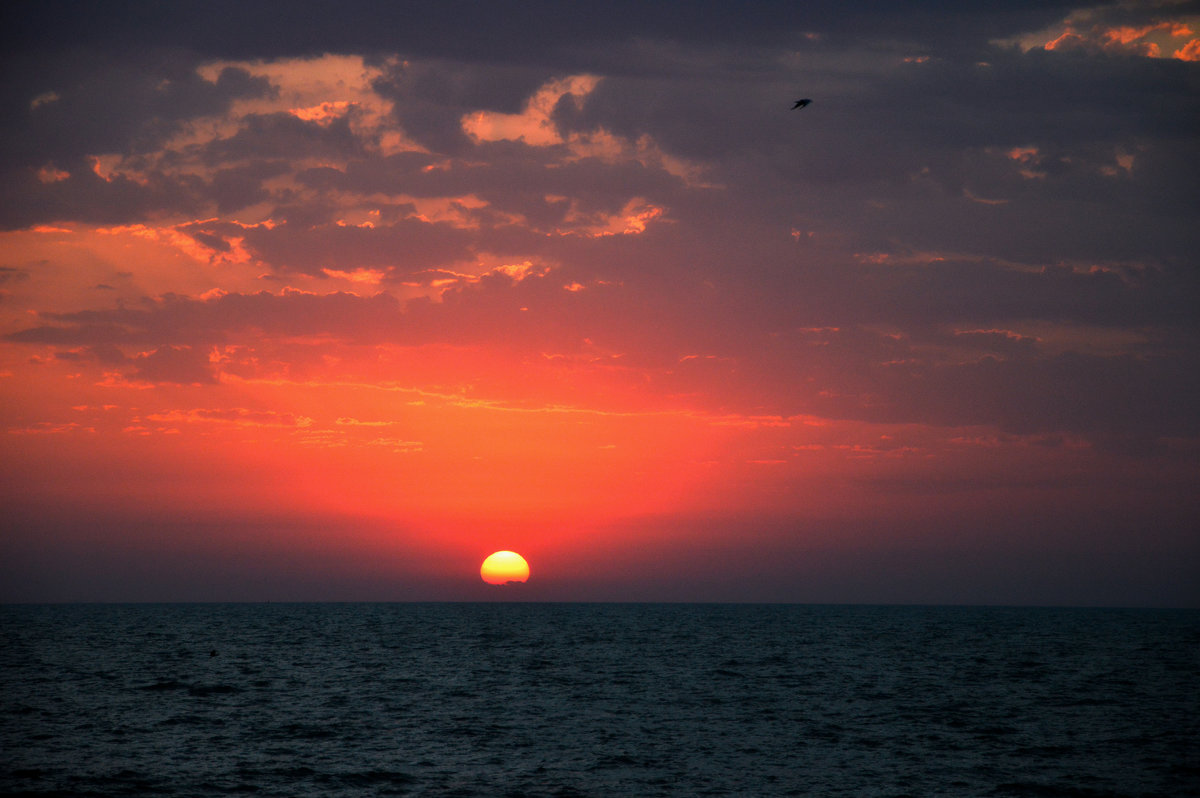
(1189,52)
(1091,30)
(533,126)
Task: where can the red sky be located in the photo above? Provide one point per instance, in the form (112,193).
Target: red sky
(334,314)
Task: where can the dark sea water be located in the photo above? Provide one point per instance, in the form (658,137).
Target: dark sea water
(597,700)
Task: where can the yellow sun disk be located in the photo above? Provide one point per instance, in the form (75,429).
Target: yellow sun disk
(504,566)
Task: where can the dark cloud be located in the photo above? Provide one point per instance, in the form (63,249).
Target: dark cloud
(237,187)
(528,32)
(103,103)
(283,135)
(174,364)
(408,245)
(433,95)
(1112,396)
(86,197)
(1032,157)
(110,102)
(188,325)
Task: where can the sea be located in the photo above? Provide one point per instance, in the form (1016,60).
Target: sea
(498,699)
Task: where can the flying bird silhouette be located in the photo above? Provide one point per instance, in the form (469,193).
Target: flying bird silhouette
(801,103)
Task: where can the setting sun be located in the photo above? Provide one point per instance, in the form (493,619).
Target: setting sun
(503,567)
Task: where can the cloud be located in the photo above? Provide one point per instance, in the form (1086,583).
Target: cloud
(526,33)
(236,416)
(128,105)
(941,188)
(1004,378)
(181,365)
(1189,52)
(1149,30)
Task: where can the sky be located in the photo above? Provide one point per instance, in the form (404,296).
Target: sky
(317,301)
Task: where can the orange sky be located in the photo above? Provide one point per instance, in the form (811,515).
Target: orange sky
(319,324)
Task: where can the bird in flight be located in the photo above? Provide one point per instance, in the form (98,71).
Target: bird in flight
(801,103)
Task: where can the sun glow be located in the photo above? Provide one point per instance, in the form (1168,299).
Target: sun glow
(503,567)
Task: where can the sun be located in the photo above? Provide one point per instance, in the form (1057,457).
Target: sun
(503,567)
